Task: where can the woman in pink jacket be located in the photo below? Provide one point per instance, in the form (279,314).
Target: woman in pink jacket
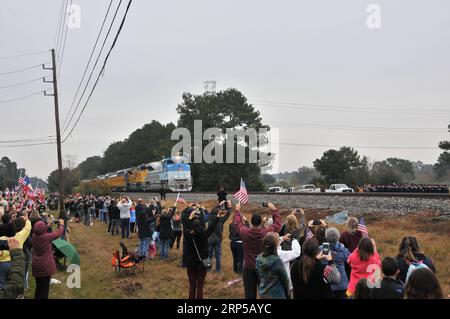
(365,263)
(43,263)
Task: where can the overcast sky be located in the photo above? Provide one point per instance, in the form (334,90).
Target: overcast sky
(302,52)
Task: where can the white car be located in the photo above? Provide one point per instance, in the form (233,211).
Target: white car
(339,188)
(276,189)
(308,188)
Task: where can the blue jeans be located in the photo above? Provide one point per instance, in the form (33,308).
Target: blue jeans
(4,271)
(125,227)
(215,249)
(143,246)
(164,245)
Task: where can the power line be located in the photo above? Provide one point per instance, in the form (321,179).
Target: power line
(93,68)
(58,25)
(61,32)
(22,97)
(26,145)
(22,55)
(89,61)
(371,147)
(24,69)
(22,83)
(33,139)
(102,69)
(365,128)
(341,108)
(64,44)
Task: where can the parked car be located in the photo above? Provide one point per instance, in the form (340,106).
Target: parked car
(339,188)
(308,188)
(277,189)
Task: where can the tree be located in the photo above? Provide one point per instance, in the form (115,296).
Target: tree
(71,179)
(9,174)
(383,173)
(90,167)
(442,167)
(222,110)
(405,168)
(339,166)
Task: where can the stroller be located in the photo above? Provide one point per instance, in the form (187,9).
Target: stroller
(128,263)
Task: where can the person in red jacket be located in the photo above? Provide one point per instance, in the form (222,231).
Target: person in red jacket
(43,263)
(252,238)
(364,263)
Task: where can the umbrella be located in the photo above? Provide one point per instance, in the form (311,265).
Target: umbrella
(68,250)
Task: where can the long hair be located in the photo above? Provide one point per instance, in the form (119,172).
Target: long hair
(408,248)
(423,284)
(310,249)
(270,245)
(365,248)
(291,224)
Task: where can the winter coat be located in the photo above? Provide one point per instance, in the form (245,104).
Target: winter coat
(389,289)
(43,262)
(176,223)
(201,241)
(21,237)
(403,265)
(273,279)
(233,234)
(350,241)
(165,226)
(124,209)
(318,285)
(288,256)
(361,269)
(16,276)
(114,212)
(142,222)
(217,236)
(340,255)
(252,237)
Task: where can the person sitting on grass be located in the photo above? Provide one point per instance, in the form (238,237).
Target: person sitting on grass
(390,287)
(273,278)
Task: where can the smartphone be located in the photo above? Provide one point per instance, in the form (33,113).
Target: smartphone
(265,205)
(326,248)
(317,222)
(298,210)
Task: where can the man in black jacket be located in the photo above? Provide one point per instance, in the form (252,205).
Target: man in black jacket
(115,217)
(215,240)
(391,287)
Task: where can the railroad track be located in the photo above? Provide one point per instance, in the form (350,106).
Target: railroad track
(443,196)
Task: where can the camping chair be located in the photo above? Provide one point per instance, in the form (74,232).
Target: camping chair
(122,266)
(138,260)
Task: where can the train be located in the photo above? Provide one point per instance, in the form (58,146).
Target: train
(171,174)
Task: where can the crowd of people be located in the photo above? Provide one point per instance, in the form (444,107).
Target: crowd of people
(26,235)
(275,258)
(406,188)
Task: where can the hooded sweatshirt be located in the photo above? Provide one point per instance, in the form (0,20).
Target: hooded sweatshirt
(273,279)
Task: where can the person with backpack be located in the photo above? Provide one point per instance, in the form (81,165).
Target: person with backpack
(252,243)
(197,260)
(114,211)
(390,287)
(364,262)
(215,240)
(410,257)
(312,279)
(273,278)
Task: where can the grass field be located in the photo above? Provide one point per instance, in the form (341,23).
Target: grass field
(165,279)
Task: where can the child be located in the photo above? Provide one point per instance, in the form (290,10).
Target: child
(391,287)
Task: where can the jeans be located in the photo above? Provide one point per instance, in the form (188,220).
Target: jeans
(87,218)
(4,271)
(196,277)
(164,248)
(238,256)
(42,287)
(215,249)
(143,246)
(115,226)
(125,227)
(250,278)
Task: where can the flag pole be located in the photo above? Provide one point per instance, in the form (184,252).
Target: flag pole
(176,200)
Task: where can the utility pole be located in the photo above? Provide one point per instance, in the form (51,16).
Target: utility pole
(58,136)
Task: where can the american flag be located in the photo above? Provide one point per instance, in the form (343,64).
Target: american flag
(22,181)
(362,228)
(308,233)
(242,195)
(180,199)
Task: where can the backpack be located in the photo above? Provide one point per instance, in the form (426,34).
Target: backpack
(413,266)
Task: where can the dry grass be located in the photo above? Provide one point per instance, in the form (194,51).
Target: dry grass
(165,279)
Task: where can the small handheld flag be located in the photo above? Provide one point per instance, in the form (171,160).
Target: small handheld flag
(308,233)
(242,195)
(362,228)
(180,199)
